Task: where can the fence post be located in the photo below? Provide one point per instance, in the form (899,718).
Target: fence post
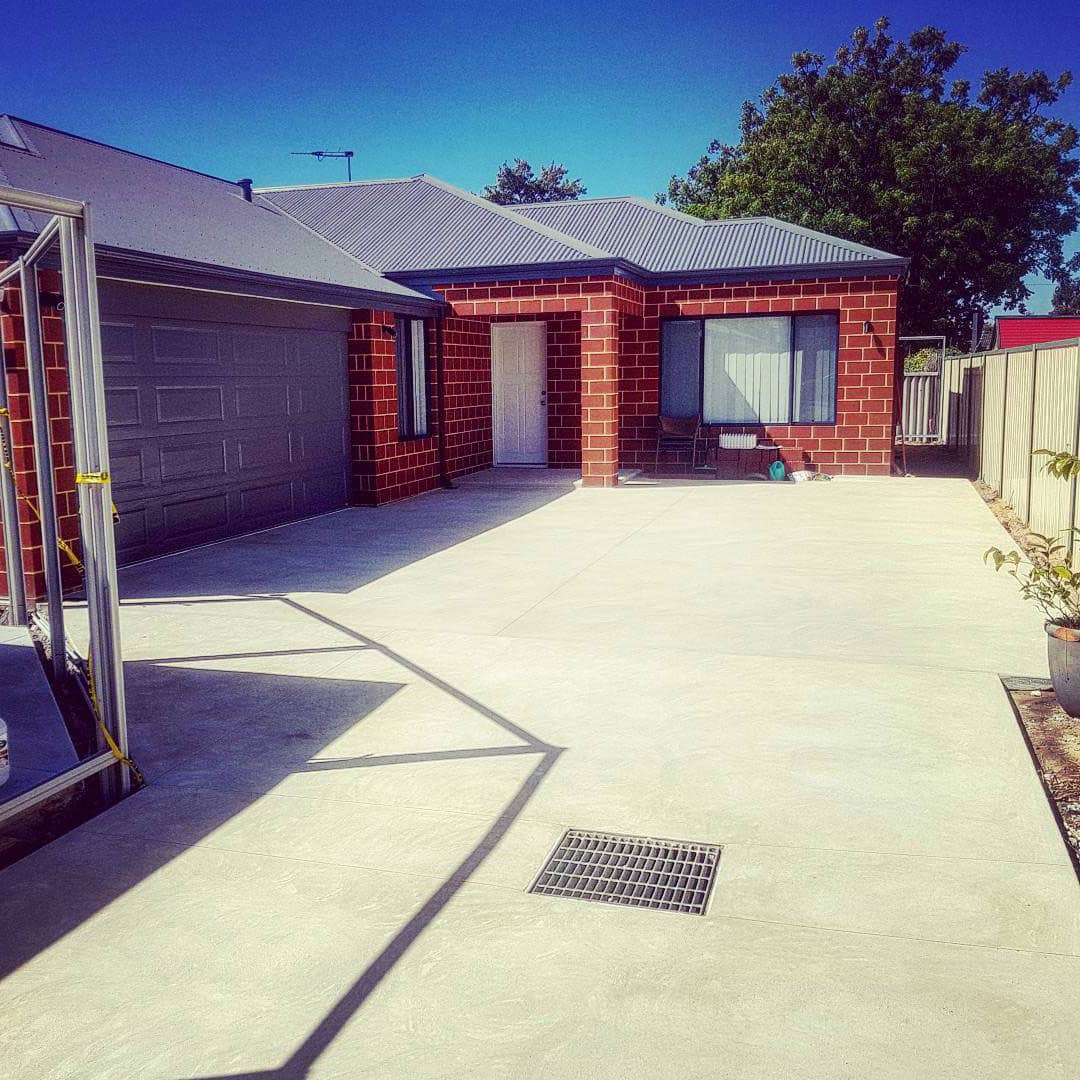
(1004,420)
(1031,429)
(1075,449)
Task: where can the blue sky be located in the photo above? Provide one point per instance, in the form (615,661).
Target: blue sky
(623,93)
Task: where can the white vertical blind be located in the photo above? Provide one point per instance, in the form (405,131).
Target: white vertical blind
(419,378)
(747,370)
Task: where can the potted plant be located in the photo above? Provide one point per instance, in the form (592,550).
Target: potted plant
(1048,579)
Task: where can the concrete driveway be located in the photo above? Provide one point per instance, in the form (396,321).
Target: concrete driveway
(364,733)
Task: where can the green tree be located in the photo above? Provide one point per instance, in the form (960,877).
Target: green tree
(1066,300)
(517,183)
(977,190)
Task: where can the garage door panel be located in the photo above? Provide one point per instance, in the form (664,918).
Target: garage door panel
(268,503)
(313,400)
(127,467)
(196,516)
(123,406)
(319,448)
(219,428)
(262,351)
(176,344)
(132,532)
(189,404)
(262,401)
(118,342)
(264,450)
(193,459)
(323,492)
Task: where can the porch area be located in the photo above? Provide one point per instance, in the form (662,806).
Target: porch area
(364,733)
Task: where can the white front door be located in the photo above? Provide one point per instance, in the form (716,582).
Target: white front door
(519,392)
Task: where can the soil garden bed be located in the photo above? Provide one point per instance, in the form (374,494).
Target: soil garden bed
(1053,736)
(1054,740)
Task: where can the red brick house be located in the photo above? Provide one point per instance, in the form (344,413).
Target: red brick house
(749,324)
(277,353)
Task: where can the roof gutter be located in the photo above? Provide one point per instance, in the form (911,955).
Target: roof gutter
(144,268)
(424,279)
(862,268)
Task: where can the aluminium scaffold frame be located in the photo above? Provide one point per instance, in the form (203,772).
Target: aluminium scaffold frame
(69,228)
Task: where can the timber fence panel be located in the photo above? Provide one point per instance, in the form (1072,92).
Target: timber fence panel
(920,405)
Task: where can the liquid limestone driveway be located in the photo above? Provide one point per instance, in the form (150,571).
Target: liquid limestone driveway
(365,733)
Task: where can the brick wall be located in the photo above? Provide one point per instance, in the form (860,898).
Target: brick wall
(583,334)
(22,449)
(861,440)
(467,378)
(386,466)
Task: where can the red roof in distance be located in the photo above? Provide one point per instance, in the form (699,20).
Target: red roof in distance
(1014,331)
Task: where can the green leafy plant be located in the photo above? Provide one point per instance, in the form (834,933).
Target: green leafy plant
(1046,577)
(1061,464)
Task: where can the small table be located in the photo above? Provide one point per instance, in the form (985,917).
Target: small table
(774,450)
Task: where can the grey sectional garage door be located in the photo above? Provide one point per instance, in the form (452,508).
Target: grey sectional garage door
(221,424)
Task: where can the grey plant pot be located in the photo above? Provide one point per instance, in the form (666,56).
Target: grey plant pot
(1063,653)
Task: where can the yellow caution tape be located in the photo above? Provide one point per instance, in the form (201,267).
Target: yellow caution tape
(109,740)
(66,548)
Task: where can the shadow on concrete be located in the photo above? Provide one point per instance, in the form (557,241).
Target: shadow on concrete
(944,462)
(299,715)
(338,552)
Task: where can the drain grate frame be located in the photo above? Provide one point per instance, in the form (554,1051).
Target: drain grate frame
(631,871)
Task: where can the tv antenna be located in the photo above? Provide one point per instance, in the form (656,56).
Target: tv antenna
(320,154)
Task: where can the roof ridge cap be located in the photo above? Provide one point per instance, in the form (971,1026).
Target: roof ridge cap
(520,219)
(339,184)
(122,150)
(269,204)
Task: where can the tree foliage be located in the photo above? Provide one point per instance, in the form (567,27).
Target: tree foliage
(928,358)
(1066,299)
(977,189)
(517,183)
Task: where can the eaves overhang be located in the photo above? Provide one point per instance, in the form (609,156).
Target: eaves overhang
(863,268)
(149,269)
(424,279)
(417,279)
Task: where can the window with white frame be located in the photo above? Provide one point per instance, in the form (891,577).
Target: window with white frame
(412,382)
(755,369)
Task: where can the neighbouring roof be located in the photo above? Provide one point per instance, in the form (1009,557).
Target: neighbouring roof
(1014,331)
(665,241)
(417,226)
(158,222)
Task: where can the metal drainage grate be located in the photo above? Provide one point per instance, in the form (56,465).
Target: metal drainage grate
(637,871)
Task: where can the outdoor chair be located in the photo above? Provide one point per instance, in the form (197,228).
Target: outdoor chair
(679,434)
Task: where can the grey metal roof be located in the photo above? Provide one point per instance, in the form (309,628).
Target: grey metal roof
(421,224)
(156,216)
(660,240)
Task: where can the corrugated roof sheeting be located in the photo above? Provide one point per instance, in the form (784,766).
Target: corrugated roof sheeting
(414,224)
(662,241)
(150,207)
(1014,331)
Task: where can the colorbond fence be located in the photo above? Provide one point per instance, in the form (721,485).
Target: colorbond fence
(921,404)
(999,407)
